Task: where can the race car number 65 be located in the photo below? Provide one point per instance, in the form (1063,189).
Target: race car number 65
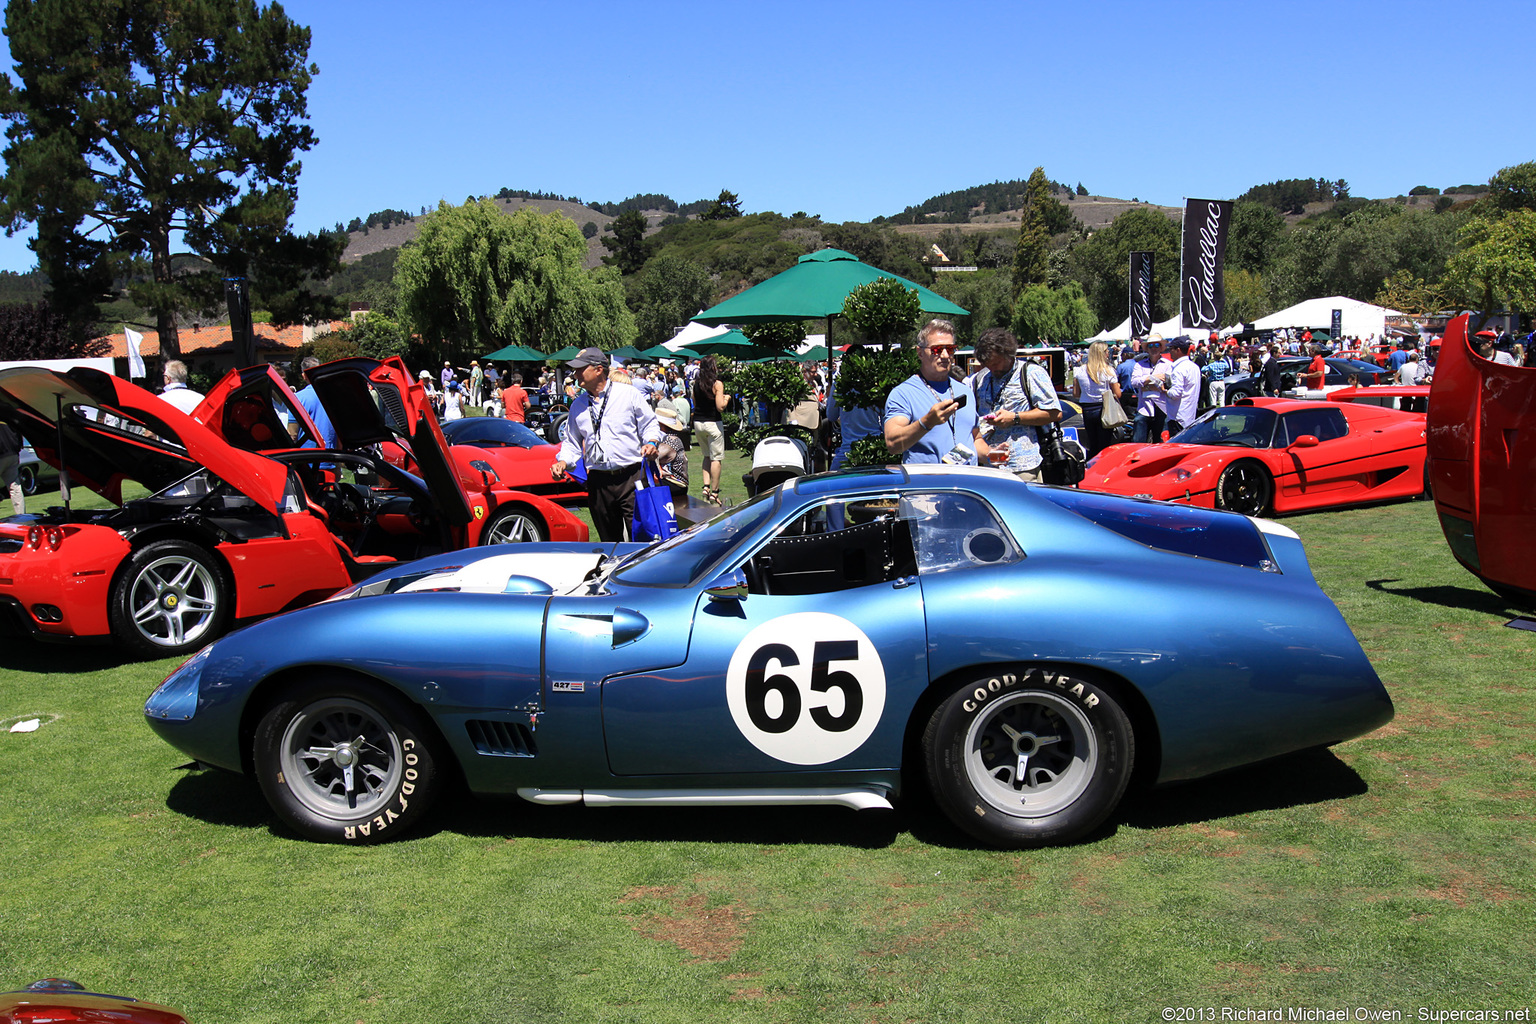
(806,688)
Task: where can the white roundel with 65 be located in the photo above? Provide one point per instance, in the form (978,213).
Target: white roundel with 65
(807,688)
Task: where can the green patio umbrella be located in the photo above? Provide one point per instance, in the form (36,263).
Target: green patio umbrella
(569,352)
(814,354)
(737,346)
(629,354)
(662,352)
(516,354)
(814,288)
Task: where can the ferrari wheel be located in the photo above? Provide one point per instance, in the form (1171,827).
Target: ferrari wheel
(343,761)
(514,526)
(1246,487)
(1029,758)
(170,598)
(27,477)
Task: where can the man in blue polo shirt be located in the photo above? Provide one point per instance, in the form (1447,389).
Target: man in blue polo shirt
(931,415)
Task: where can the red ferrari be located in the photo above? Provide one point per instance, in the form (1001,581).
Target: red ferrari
(1482,464)
(1270,455)
(227,532)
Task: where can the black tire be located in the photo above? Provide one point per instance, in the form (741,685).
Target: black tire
(27,477)
(516,525)
(307,742)
(972,750)
(170,598)
(1245,486)
(1233,397)
(552,432)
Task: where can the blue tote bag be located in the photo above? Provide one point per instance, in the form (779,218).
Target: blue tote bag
(655,518)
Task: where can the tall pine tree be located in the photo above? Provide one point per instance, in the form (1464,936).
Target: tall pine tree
(137,124)
(1031,258)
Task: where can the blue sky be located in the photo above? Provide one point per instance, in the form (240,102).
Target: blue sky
(852,110)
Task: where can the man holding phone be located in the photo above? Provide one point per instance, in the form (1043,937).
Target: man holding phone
(930,416)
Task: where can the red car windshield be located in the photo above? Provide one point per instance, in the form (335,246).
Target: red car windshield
(1242,426)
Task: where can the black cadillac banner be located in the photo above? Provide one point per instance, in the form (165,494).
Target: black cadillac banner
(1336,328)
(1141,294)
(1202,295)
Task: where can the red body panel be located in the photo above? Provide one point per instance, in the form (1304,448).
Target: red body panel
(76,578)
(1381,458)
(51,1007)
(274,574)
(1482,461)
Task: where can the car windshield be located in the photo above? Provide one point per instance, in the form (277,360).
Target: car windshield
(1244,426)
(686,557)
(491,432)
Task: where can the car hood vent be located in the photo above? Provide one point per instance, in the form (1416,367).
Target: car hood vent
(501,739)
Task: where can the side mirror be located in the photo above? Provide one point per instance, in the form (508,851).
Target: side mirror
(730,587)
(1305,441)
(487,474)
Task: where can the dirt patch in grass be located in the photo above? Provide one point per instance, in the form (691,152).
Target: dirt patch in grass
(709,934)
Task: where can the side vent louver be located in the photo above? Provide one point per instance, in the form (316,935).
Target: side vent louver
(501,739)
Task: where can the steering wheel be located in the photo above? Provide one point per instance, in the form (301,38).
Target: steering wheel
(348,510)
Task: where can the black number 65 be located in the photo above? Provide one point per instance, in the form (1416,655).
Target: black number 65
(759,684)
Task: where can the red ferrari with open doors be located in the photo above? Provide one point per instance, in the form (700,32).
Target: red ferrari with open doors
(239,520)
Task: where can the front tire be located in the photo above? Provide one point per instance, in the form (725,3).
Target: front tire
(514,526)
(346,761)
(27,477)
(170,598)
(1245,487)
(1029,759)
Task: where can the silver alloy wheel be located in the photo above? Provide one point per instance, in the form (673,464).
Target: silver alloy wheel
(340,758)
(512,528)
(1031,754)
(174,600)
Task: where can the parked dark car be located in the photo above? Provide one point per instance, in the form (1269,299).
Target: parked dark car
(1341,372)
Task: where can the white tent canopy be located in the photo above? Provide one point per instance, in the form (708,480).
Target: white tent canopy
(1359,319)
(691,334)
(1170,328)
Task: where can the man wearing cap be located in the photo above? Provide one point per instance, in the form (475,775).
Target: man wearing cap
(612,427)
(1147,379)
(1183,395)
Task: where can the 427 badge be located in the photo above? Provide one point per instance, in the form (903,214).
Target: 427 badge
(806,688)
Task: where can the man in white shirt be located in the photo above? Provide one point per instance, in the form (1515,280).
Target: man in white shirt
(613,428)
(176,391)
(1183,394)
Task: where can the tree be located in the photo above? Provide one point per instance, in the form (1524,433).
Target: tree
(728,205)
(1513,188)
(1031,255)
(140,121)
(1043,313)
(1252,241)
(476,279)
(589,229)
(1496,267)
(1080,190)
(883,311)
(30,331)
(1102,265)
(626,246)
(670,292)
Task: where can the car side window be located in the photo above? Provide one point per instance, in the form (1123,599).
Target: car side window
(954,530)
(1323,424)
(836,545)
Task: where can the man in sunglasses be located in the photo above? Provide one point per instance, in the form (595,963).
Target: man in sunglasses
(930,416)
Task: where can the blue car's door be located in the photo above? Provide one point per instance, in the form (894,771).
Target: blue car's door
(816,668)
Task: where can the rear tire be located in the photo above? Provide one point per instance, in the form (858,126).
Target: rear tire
(170,598)
(345,761)
(27,477)
(1028,759)
(1245,487)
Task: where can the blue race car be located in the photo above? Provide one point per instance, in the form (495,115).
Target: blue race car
(835,640)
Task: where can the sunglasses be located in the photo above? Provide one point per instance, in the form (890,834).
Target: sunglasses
(941,350)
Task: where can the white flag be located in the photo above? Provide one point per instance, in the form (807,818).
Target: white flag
(135,357)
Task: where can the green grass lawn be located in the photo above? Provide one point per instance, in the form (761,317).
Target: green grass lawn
(1396,871)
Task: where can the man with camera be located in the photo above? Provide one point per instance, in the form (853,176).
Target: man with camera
(1017,400)
(930,416)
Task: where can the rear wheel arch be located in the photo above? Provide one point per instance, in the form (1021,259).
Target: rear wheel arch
(1146,767)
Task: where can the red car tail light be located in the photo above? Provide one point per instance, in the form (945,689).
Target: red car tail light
(34,537)
(54,536)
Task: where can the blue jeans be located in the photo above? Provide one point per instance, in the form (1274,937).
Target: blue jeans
(1149,426)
